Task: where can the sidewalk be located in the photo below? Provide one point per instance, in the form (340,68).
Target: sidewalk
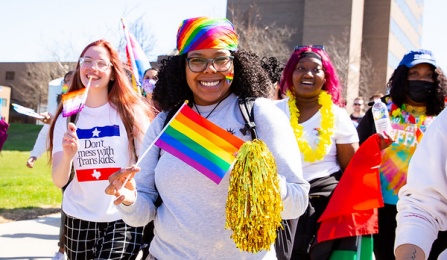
(34,239)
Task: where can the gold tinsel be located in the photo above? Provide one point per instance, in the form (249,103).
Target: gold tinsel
(254,205)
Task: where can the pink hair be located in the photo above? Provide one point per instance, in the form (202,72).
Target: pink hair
(332,84)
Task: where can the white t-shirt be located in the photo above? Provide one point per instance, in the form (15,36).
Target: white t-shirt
(344,133)
(103,150)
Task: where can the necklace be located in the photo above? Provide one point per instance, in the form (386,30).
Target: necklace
(324,133)
(416,116)
(218,103)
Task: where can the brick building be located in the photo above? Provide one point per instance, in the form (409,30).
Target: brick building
(380,31)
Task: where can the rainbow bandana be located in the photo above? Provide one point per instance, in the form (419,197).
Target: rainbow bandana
(206,33)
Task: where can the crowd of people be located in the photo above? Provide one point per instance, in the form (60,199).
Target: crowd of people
(123,195)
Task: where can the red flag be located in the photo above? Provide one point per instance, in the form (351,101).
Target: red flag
(352,209)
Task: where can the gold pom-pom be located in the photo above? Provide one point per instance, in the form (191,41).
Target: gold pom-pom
(254,205)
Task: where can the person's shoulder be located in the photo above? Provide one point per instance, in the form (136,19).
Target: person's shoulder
(266,104)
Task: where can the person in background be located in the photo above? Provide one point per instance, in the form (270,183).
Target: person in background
(149,79)
(274,68)
(41,143)
(358,106)
(211,73)
(417,89)
(40,147)
(105,136)
(325,135)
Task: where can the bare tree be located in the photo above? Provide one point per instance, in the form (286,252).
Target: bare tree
(31,88)
(265,40)
(142,34)
(339,53)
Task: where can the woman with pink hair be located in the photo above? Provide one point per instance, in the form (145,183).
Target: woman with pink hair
(326,138)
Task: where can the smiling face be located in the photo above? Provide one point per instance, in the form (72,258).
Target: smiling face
(308,77)
(94,59)
(209,86)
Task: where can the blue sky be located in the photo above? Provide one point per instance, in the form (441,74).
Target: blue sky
(37,30)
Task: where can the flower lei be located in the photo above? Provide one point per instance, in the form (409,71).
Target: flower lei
(400,115)
(325,132)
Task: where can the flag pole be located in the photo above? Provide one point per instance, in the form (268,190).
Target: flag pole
(132,58)
(359,247)
(158,136)
(155,140)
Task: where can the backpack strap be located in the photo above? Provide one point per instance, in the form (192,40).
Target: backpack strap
(246,107)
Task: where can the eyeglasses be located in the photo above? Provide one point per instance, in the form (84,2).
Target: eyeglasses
(220,64)
(101,65)
(357,104)
(299,47)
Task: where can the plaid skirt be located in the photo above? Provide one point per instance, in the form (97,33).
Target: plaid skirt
(101,240)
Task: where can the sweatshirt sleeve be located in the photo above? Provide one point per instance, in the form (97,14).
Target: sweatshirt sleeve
(274,129)
(422,204)
(41,144)
(143,210)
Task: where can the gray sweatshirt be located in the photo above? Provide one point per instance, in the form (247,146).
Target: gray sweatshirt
(190,224)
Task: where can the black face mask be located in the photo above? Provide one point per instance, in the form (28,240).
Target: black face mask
(420,90)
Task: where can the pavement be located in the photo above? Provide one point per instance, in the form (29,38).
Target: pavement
(34,239)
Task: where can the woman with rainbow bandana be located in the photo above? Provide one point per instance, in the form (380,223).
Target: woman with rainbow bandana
(211,74)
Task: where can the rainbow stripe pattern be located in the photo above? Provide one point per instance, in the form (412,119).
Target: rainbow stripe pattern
(206,33)
(136,58)
(73,102)
(200,143)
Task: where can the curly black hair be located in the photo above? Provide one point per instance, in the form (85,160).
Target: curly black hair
(274,68)
(249,80)
(398,89)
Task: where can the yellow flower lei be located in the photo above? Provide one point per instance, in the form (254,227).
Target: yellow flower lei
(325,133)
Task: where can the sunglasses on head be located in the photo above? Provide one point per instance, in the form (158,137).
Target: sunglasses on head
(299,47)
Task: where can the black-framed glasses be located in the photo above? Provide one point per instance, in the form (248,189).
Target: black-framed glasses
(220,64)
(101,65)
(299,47)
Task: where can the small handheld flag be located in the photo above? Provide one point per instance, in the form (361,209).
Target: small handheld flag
(200,143)
(26,111)
(73,102)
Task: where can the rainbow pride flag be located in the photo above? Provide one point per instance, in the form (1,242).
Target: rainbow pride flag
(201,144)
(136,59)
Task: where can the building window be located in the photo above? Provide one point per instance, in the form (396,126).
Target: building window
(10,75)
(3,102)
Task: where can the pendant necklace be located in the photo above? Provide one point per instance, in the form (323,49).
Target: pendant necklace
(218,103)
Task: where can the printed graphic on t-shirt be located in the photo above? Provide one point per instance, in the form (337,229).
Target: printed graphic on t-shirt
(96,153)
(395,161)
